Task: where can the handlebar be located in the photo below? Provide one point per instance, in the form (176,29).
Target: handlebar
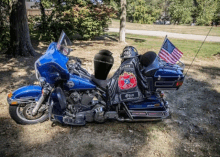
(77,69)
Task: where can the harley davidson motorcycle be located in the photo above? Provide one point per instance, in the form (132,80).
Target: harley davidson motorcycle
(68,94)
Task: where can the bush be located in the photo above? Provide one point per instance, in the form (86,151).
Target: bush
(78,17)
(144,12)
(181,11)
(205,12)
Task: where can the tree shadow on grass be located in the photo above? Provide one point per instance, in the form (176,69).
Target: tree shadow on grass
(195,114)
(137,40)
(213,71)
(193,118)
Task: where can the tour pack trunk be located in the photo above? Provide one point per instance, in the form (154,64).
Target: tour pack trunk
(164,76)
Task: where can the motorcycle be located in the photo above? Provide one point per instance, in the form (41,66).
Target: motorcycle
(68,94)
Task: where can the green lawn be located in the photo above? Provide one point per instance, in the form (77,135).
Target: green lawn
(188,47)
(199,30)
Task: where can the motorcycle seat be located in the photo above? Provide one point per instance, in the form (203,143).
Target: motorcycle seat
(101,83)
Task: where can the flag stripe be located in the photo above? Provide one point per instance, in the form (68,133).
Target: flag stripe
(167,55)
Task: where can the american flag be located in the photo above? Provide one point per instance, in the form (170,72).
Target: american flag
(169,52)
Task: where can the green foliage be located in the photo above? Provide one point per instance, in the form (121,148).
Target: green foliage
(205,11)
(201,12)
(181,11)
(73,17)
(143,11)
(216,18)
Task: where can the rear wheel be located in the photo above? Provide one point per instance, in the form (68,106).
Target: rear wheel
(22,114)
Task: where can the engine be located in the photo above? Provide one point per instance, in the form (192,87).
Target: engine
(82,103)
(78,101)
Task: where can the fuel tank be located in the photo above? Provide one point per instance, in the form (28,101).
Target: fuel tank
(79,83)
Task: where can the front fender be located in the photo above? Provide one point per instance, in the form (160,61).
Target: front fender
(24,94)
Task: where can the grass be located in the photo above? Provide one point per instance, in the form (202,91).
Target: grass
(183,29)
(188,47)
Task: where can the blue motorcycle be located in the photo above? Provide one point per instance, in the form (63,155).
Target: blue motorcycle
(68,94)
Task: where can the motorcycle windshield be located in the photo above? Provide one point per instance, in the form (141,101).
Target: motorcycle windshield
(64,44)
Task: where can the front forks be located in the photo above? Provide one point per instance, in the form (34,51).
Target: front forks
(45,93)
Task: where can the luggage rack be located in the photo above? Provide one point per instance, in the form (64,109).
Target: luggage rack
(178,66)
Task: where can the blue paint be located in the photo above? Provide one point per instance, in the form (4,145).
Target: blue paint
(79,83)
(27,91)
(52,63)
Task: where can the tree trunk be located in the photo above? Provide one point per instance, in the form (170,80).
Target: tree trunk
(43,17)
(20,43)
(122,21)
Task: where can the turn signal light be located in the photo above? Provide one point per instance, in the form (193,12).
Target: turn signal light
(14,103)
(179,83)
(10,94)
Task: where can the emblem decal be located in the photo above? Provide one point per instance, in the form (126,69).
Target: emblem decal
(127,81)
(70,84)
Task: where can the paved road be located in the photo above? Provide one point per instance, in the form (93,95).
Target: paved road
(170,35)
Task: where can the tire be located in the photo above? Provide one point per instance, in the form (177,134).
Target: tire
(19,119)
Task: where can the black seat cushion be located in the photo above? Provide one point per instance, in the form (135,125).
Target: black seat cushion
(148,58)
(101,83)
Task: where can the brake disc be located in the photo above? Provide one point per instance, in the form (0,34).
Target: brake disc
(27,112)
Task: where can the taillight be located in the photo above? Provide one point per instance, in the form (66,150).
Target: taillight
(179,83)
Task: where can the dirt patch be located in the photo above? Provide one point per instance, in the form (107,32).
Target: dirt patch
(193,130)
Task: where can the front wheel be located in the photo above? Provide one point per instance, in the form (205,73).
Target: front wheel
(22,114)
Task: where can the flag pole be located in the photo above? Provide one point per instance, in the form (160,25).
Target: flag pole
(162,45)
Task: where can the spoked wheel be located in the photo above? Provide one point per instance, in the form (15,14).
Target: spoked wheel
(22,114)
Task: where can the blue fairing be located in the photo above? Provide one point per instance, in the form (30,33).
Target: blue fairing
(79,83)
(52,64)
(27,91)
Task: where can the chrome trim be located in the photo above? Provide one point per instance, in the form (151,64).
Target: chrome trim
(127,111)
(163,114)
(22,100)
(159,77)
(38,104)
